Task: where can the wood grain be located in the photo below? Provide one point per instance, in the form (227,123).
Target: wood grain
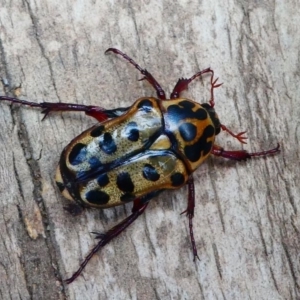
(247,215)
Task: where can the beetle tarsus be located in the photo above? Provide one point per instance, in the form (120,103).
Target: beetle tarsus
(99,235)
(238,136)
(196,257)
(213,86)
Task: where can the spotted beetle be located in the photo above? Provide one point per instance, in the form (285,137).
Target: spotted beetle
(135,153)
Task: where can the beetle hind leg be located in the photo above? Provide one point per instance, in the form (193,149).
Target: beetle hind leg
(190,213)
(242,154)
(147,76)
(139,207)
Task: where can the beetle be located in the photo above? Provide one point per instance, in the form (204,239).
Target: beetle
(134,153)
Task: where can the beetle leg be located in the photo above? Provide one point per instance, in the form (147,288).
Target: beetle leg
(183,83)
(96,112)
(241,154)
(147,76)
(238,136)
(190,213)
(138,208)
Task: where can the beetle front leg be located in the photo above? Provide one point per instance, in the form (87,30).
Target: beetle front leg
(96,112)
(240,136)
(182,84)
(190,213)
(138,208)
(241,154)
(147,76)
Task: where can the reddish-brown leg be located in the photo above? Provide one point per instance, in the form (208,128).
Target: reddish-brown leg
(138,208)
(241,154)
(240,136)
(147,76)
(190,213)
(98,113)
(183,83)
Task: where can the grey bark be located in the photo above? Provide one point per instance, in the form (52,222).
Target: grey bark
(246,221)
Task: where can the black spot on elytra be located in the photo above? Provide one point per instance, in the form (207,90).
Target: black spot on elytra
(103,180)
(97,131)
(60,186)
(97,197)
(188,131)
(77,154)
(145,105)
(107,144)
(94,162)
(202,147)
(183,110)
(177,179)
(131,131)
(125,183)
(187,104)
(150,173)
(127,197)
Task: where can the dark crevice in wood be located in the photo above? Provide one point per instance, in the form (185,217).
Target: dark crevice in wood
(39,256)
(217,259)
(291,266)
(39,42)
(23,260)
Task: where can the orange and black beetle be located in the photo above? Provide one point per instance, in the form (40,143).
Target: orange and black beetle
(139,151)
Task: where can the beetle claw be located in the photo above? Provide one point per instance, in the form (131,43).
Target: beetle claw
(143,78)
(241,138)
(188,213)
(184,212)
(238,136)
(196,257)
(99,235)
(45,112)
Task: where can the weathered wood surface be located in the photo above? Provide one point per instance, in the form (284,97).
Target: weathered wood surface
(247,216)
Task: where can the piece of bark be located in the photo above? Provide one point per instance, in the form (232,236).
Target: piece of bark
(246,221)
